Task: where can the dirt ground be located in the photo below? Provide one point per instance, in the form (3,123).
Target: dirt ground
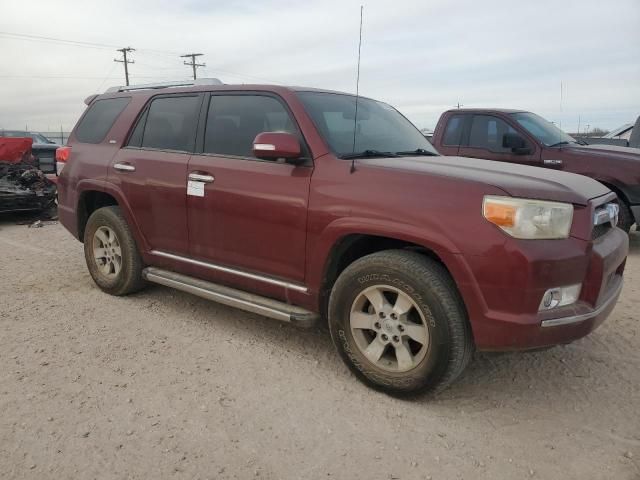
(166,385)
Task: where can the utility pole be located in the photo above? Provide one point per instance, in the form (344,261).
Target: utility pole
(460,105)
(193,63)
(125,61)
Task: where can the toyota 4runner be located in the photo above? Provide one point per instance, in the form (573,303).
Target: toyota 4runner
(300,204)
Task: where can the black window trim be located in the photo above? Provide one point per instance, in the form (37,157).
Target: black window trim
(143,115)
(307,155)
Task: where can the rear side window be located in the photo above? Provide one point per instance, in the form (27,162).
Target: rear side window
(487,132)
(453,132)
(99,119)
(168,124)
(233,121)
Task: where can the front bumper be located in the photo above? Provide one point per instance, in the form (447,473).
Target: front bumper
(506,315)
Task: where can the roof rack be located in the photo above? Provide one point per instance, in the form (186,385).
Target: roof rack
(185,83)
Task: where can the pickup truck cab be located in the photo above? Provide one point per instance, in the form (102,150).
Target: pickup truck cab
(527,139)
(303,204)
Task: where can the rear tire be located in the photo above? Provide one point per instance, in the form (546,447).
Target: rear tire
(399,323)
(111,253)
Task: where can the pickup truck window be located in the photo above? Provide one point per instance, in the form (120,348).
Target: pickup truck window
(380,127)
(99,119)
(545,131)
(453,132)
(487,132)
(233,121)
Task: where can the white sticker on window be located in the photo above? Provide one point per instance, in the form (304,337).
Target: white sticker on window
(195,189)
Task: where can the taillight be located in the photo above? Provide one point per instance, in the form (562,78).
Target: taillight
(62,156)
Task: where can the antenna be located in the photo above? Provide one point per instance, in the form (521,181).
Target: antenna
(355,118)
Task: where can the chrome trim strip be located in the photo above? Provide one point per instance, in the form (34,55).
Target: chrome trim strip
(240,273)
(219,297)
(554,322)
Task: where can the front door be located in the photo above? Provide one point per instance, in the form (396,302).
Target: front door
(485,141)
(247,214)
(152,168)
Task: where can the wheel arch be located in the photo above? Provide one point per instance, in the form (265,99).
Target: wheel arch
(350,246)
(94,196)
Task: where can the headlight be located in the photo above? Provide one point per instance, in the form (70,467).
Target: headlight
(529,219)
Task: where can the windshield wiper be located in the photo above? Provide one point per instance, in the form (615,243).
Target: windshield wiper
(368,154)
(419,151)
(558,144)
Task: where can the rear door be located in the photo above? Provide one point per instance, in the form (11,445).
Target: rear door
(152,169)
(251,214)
(484,140)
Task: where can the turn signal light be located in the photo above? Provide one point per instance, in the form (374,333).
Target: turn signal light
(500,214)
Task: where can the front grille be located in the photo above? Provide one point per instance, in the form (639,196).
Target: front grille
(600,230)
(46,160)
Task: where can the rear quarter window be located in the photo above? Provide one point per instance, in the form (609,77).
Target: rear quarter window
(453,131)
(99,119)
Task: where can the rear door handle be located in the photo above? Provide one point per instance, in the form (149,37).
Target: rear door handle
(124,167)
(201,177)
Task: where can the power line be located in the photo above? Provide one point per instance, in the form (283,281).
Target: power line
(125,61)
(147,51)
(38,38)
(193,63)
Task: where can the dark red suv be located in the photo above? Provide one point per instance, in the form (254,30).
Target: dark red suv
(301,204)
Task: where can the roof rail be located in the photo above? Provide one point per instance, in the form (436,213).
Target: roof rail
(185,83)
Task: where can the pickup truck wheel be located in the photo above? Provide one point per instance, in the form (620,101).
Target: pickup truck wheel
(625,218)
(111,253)
(399,323)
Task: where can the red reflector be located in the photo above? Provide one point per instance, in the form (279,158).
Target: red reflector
(62,154)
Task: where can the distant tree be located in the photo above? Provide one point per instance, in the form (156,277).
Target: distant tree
(592,132)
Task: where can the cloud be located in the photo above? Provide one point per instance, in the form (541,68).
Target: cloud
(423,57)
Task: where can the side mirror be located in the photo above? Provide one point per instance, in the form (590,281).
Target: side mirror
(274,145)
(516,143)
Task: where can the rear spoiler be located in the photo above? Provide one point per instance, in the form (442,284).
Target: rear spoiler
(90,98)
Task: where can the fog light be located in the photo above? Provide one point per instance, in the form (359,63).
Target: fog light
(560,297)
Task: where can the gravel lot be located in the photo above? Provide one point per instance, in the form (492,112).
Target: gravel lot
(166,385)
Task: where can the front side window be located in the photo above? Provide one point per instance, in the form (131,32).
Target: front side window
(233,121)
(378,126)
(453,132)
(99,119)
(545,131)
(487,133)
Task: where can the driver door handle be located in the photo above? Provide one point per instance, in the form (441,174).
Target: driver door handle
(201,177)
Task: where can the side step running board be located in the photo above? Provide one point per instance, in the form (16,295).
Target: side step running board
(232,297)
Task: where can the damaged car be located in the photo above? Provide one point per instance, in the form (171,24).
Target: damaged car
(23,186)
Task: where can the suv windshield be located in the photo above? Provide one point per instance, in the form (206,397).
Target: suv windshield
(545,131)
(380,129)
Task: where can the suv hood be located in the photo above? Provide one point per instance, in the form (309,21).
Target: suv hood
(516,180)
(605,151)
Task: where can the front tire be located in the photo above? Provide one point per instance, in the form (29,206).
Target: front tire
(111,253)
(399,323)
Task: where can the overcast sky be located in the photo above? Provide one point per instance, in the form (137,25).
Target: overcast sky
(422,56)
